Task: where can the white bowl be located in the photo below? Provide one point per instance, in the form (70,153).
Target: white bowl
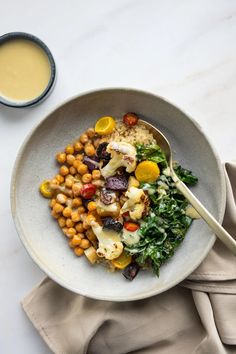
(41,235)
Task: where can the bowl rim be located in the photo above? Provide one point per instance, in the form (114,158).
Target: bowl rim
(30,37)
(55,276)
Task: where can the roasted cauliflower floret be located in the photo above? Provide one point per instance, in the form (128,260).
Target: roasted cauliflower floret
(110,246)
(136,203)
(122,155)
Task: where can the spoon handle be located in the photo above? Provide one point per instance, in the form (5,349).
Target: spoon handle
(219,231)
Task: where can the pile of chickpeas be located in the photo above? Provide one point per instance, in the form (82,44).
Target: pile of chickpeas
(67,206)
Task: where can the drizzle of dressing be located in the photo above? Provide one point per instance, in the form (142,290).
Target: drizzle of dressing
(25,70)
(130,238)
(192,213)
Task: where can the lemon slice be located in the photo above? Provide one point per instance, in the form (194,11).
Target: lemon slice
(45,189)
(122,261)
(105,125)
(147,171)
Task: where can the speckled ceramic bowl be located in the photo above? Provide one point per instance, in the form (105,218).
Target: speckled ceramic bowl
(41,235)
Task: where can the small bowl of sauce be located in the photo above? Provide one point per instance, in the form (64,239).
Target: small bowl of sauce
(27,70)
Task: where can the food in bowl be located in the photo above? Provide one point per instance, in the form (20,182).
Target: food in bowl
(114,200)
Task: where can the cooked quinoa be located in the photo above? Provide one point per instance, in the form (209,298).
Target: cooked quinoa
(133,135)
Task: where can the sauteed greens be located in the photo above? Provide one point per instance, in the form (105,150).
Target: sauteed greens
(165,227)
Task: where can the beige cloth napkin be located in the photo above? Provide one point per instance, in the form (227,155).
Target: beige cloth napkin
(197,316)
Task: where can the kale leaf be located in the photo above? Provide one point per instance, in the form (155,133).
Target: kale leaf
(185,175)
(151,153)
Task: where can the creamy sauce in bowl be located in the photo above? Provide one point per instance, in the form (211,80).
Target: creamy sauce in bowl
(26,70)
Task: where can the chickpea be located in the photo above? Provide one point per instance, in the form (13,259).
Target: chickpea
(69,182)
(87,178)
(86,226)
(65,230)
(68,192)
(84,138)
(52,203)
(67,212)
(72,170)
(90,218)
(61,198)
(71,232)
(75,216)
(92,206)
(76,189)
(76,163)
(85,244)
(96,174)
(69,149)
(54,214)
(61,157)
(61,221)
(90,132)
(71,244)
(78,146)
(76,240)
(64,170)
(54,181)
(81,235)
(58,208)
(76,202)
(69,202)
(69,222)
(89,149)
(79,157)
(81,210)
(70,159)
(79,227)
(82,169)
(82,216)
(78,251)
(59,178)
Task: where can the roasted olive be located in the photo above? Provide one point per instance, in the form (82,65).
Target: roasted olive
(112,224)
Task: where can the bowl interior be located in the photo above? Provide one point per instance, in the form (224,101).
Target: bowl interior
(41,234)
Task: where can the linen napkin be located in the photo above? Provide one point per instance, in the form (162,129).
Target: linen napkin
(197,316)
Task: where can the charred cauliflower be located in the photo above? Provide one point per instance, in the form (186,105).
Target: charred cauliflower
(122,155)
(110,245)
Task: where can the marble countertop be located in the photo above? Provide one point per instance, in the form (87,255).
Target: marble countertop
(183,50)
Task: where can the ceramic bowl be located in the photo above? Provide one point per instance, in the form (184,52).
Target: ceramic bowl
(40,233)
(30,37)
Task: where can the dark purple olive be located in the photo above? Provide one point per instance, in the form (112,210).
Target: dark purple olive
(107,196)
(117,183)
(131,271)
(91,162)
(102,153)
(111,224)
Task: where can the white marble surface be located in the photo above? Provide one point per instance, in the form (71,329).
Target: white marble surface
(184,50)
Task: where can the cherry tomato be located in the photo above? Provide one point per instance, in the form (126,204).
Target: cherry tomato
(88,190)
(130,119)
(131,226)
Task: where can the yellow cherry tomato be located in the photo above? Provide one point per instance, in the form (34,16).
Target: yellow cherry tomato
(45,189)
(105,125)
(122,261)
(147,171)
